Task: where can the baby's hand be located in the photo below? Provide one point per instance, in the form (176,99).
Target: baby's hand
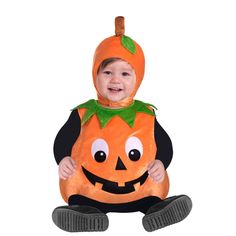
(156,170)
(67,167)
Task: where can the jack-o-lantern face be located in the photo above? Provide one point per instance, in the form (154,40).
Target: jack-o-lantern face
(112,161)
(100,153)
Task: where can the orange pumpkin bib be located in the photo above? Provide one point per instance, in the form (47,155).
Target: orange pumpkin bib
(112,153)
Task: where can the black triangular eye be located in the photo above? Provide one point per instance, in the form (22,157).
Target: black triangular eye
(134,155)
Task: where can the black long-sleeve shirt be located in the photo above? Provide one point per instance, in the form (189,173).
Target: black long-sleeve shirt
(68,134)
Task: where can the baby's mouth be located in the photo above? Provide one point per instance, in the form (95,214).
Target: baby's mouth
(115,90)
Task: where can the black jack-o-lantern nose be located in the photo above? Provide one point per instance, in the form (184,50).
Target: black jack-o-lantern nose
(120,165)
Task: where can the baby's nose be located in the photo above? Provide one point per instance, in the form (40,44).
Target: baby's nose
(115,79)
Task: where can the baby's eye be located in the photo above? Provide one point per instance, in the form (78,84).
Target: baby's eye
(107,72)
(125,74)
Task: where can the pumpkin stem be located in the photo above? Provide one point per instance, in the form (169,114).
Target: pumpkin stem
(119,25)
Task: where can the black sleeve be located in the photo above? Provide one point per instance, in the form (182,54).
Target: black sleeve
(164,145)
(67,136)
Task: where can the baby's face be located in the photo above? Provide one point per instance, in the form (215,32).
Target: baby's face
(116,81)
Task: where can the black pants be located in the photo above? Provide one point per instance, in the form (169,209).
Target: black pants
(139,205)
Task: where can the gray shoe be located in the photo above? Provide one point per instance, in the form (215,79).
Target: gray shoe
(167,212)
(80,219)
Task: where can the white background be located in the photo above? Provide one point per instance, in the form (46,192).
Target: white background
(46,50)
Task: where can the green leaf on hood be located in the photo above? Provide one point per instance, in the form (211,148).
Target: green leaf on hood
(128,43)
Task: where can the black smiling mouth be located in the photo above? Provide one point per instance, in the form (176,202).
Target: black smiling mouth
(112,187)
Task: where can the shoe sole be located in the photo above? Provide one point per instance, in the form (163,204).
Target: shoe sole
(72,221)
(173,213)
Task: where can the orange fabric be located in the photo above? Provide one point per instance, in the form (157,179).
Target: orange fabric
(112,47)
(115,134)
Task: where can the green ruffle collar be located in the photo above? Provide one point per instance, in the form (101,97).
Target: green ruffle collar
(104,115)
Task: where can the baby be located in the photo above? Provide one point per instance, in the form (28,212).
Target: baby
(112,153)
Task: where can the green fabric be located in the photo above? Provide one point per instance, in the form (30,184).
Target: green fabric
(128,43)
(104,115)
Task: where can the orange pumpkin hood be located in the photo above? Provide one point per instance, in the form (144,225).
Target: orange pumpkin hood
(120,46)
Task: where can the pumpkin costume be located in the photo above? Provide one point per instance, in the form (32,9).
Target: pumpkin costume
(112,149)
